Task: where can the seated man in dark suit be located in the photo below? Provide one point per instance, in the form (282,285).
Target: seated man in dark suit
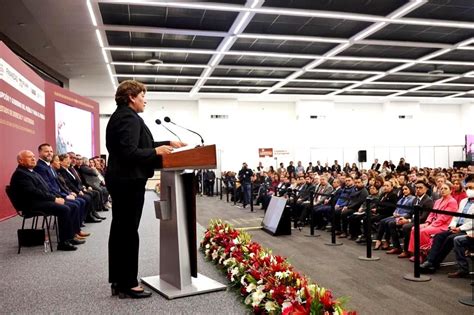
(44,169)
(65,182)
(31,194)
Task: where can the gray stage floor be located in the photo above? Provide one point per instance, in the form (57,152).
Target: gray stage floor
(76,282)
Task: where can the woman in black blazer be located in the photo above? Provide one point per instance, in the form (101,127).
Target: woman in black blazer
(133,156)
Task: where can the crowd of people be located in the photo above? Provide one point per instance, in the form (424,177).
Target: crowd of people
(68,186)
(320,195)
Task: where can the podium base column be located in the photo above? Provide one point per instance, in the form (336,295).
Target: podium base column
(199,285)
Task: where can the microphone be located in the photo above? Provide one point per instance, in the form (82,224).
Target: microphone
(158,122)
(168,120)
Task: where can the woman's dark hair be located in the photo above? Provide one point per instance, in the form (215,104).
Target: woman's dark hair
(126,89)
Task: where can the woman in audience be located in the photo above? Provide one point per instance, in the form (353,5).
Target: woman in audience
(354,167)
(379,181)
(347,167)
(400,212)
(458,192)
(435,223)
(385,170)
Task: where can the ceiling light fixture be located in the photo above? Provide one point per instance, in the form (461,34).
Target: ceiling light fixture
(91,12)
(104,53)
(294,38)
(99,38)
(153,61)
(405,9)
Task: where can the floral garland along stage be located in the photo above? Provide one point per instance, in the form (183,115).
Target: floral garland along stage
(268,283)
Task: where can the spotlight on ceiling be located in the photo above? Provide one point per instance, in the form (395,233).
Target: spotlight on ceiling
(154,61)
(436,71)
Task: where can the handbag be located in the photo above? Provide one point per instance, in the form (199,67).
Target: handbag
(31,237)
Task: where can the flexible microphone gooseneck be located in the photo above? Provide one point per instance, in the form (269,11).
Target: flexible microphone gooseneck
(168,120)
(158,122)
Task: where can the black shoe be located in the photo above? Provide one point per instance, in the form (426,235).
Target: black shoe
(133,294)
(76,242)
(91,219)
(66,246)
(114,289)
(97,216)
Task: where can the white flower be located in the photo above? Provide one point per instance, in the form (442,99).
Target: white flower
(282,275)
(248,299)
(234,272)
(208,246)
(258,296)
(251,287)
(270,306)
(215,254)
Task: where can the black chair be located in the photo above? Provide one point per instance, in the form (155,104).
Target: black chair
(35,216)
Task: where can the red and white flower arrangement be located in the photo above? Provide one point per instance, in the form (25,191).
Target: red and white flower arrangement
(268,283)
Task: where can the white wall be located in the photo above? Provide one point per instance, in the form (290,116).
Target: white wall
(432,134)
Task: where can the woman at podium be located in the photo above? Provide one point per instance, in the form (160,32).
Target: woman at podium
(133,156)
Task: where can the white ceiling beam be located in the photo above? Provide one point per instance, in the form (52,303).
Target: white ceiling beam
(239,24)
(163,65)
(160,30)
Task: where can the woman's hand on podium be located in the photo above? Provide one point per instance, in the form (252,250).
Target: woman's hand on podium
(164,149)
(178,144)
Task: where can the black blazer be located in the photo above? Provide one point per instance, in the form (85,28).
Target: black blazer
(70,180)
(28,188)
(131,146)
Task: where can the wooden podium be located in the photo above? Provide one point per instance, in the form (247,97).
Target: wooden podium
(176,210)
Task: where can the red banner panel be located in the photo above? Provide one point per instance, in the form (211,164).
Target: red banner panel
(22,117)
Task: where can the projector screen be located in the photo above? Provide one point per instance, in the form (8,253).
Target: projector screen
(74,130)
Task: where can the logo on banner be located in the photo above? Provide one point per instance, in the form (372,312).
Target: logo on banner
(265,152)
(20,83)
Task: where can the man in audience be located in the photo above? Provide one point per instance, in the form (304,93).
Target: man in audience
(403,166)
(92,179)
(356,199)
(443,242)
(91,197)
(322,194)
(376,165)
(422,200)
(318,168)
(462,243)
(44,169)
(77,181)
(291,170)
(31,194)
(342,202)
(245,178)
(336,167)
(322,213)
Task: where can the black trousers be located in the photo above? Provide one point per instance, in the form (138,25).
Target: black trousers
(443,243)
(128,197)
(66,217)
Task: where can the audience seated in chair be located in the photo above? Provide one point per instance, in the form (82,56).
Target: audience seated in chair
(443,242)
(31,193)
